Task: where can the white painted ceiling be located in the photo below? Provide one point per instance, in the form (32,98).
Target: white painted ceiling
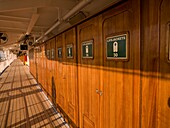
(35,17)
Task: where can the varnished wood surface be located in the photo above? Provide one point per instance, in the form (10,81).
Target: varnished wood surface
(89,75)
(22,102)
(70,76)
(136,92)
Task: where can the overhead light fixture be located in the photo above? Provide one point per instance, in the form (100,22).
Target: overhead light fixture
(3,38)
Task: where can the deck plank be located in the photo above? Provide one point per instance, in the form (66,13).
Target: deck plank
(23,103)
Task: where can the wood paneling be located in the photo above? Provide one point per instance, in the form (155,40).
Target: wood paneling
(50,44)
(61,86)
(89,74)
(48,66)
(31,60)
(135,91)
(43,66)
(164,84)
(121,83)
(53,69)
(39,63)
(149,62)
(71,76)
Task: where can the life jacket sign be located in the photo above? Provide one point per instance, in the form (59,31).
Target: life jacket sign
(117,47)
(87,49)
(48,54)
(70,51)
(59,52)
(52,54)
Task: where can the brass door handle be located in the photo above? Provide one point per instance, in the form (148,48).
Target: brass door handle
(99,92)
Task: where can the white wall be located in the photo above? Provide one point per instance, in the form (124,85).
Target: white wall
(6,59)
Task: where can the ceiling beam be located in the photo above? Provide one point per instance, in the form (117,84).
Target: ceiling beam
(34,19)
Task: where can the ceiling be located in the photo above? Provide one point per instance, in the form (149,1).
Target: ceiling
(42,19)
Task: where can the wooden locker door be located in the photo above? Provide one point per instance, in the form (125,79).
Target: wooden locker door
(53,69)
(61,74)
(71,74)
(49,67)
(120,83)
(43,72)
(39,64)
(164,84)
(35,63)
(46,66)
(31,57)
(89,73)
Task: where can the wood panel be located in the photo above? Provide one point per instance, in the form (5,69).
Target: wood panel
(35,64)
(164,84)
(39,63)
(89,74)
(149,62)
(53,69)
(43,65)
(48,69)
(71,76)
(31,60)
(46,65)
(51,66)
(61,73)
(121,83)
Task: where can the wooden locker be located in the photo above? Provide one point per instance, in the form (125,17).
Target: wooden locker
(61,86)
(34,65)
(53,69)
(151,66)
(39,64)
(163,113)
(48,69)
(71,74)
(43,66)
(121,81)
(46,66)
(89,64)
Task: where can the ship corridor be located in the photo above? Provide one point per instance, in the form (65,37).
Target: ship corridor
(23,104)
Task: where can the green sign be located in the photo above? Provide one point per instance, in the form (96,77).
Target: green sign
(52,54)
(70,51)
(116,47)
(87,49)
(59,52)
(48,54)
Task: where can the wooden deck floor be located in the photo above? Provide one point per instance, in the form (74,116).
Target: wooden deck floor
(22,102)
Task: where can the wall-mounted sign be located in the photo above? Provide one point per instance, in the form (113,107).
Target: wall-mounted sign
(59,52)
(40,54)
(48,54)
(117,47)
(87,49)
(52,53)
(70,51)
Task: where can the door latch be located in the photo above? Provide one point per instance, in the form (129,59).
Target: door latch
(99,92)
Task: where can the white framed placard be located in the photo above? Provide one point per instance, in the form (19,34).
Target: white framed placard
(48,54)
(87,49)
(117,47)
(59,52)
(52,54)
(69,51)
